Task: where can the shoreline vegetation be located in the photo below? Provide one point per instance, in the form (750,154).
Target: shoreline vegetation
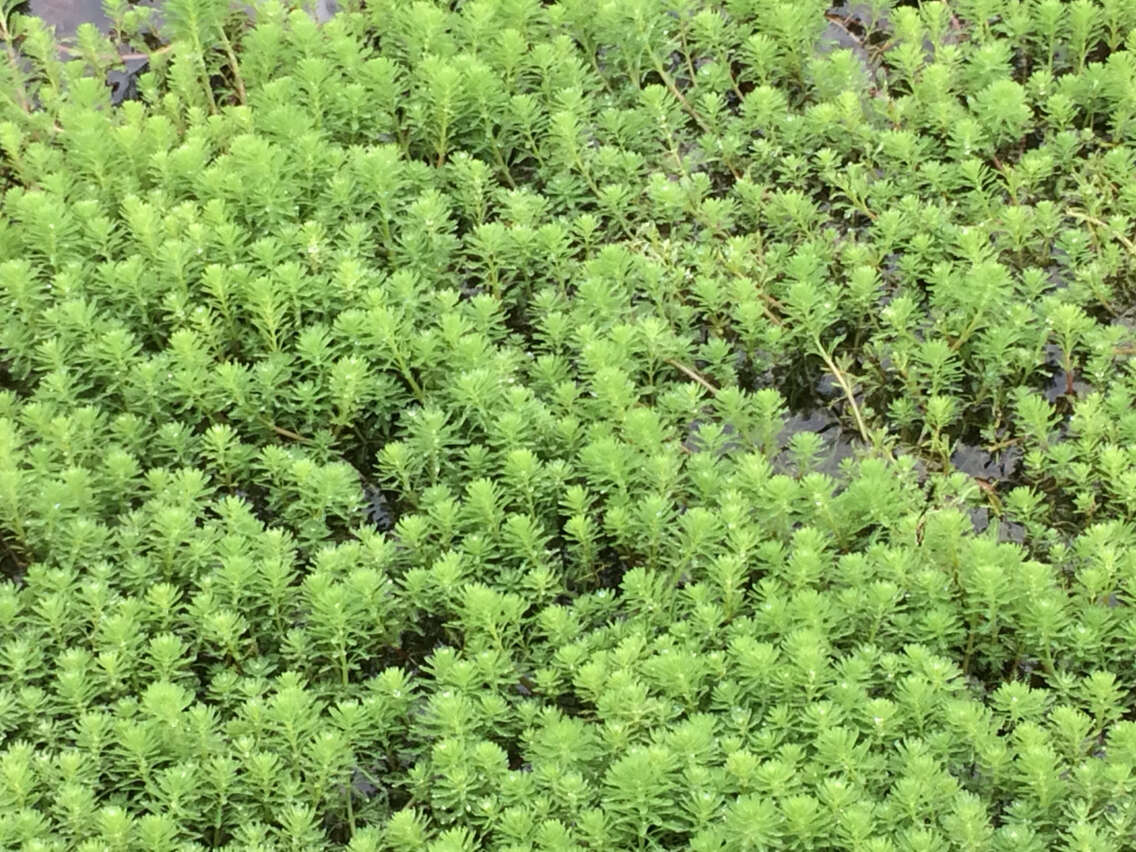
(578,425)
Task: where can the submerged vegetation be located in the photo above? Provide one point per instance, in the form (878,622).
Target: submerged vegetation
(581,425)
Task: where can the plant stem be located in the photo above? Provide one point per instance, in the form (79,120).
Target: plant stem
(692,374)
(238,81)
(287,433)
(410,380)
(842,380)
(1092,220)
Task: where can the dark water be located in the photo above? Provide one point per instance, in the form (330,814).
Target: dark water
(66,15)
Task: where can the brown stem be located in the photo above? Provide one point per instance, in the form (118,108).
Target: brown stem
(238,81)
(991,494)
(1092,220)
(687,108)
(287,433)
(702,380)
(842,380)
(155,52)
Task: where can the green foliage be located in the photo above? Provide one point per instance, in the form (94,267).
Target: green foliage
(409,428)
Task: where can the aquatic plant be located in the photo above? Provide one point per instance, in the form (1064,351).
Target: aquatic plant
(402,445)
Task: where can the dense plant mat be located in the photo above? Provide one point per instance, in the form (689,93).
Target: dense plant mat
(649,424)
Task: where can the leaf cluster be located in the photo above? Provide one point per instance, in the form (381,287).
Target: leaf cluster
(403,431)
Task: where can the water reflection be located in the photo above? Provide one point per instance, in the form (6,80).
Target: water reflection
(67,15)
